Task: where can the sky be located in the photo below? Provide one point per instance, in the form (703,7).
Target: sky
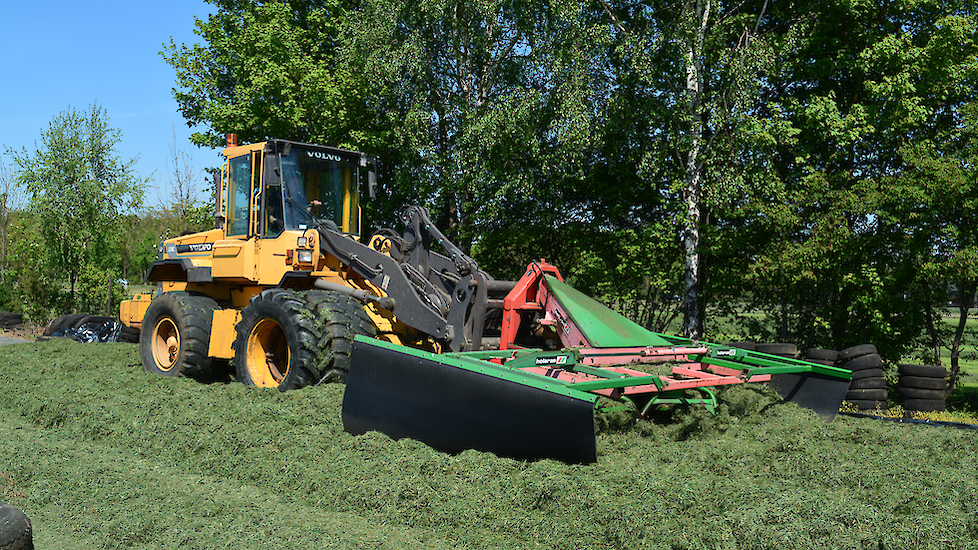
(61,55)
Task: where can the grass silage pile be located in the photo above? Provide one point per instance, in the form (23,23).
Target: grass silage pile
(102,455)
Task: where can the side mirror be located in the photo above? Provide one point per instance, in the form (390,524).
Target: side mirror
(372,184)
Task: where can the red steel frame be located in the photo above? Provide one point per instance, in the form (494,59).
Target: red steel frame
(531,295)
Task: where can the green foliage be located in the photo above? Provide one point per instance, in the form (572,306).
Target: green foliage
(99,292)
(635,272)
(819,149)
(28,285)
(78,190)
(86,431)
(268,69)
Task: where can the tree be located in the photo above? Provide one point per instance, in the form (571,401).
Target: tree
(268,69)
(935,205)
(79,189)
(698,67)
(468,90)
(861,83)
(11,200)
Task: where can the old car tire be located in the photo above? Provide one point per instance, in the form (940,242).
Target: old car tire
(277,343)
(924,383)
(176,335)
(869,394)
(15,529)
(918,393)
(868,361)
(924,371)
(822,354)
(873,382)
(750,346)
(782,349)
(923,405)
(91,320)
(60,323)
(856,351)
(867,373)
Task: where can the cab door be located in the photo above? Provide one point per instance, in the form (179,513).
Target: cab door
(234,255)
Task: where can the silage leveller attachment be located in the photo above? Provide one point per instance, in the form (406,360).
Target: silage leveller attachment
(531,403)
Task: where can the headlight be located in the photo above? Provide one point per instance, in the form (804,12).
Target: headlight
(303,242)
(304,256)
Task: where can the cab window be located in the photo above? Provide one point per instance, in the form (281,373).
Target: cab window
(239,195)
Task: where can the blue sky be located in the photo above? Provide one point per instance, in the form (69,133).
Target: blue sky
(62,54)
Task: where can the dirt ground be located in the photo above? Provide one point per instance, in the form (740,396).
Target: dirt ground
(27,331)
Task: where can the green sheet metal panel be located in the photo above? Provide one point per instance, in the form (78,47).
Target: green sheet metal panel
(601,325)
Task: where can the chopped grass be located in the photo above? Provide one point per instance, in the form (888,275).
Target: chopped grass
(103,455)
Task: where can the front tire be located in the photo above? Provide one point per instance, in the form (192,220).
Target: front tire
(342,318)
(175,335)
(277,342)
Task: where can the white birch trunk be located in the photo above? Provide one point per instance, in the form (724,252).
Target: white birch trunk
(692,303)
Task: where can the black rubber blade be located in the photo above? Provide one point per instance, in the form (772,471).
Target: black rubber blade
(406,393)
(820,393)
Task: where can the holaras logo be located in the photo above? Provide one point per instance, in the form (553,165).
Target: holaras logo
(559,360)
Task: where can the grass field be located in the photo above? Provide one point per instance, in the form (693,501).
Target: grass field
(102,455)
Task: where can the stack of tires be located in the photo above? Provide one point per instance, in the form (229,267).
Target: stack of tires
(922,387)
(781,349)
(822,356)
(749,346)
(10,320)
(79,321)
(867,391)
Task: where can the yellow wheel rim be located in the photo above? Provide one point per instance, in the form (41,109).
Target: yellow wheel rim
(267,354)
(166,344)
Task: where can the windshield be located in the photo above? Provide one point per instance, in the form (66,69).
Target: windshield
(322,184)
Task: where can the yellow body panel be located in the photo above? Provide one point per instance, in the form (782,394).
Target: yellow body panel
(234,259)
(223,333)
(131,312)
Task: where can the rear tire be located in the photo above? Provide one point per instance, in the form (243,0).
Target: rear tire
(277,344)
(176,335)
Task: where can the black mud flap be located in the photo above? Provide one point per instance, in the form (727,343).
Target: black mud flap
(454,404)
(818,392)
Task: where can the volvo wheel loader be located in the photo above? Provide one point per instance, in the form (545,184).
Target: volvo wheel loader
(284,293)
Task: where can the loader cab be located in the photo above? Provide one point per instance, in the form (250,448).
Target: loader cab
(277,186)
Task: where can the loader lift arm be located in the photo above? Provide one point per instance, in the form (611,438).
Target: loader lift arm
(445,297)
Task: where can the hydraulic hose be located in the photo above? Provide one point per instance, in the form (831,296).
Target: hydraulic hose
(383,302)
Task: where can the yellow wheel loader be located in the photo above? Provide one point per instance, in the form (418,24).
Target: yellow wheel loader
(283,294)
(283,284)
